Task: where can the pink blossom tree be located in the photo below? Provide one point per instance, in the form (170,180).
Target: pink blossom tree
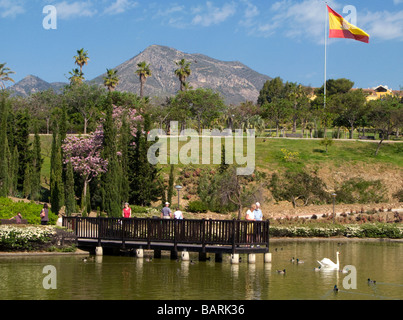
(84,153)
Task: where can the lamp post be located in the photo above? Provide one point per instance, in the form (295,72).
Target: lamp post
(178,188)
(334,213)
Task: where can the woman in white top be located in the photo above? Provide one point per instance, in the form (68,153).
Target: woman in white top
(250,216)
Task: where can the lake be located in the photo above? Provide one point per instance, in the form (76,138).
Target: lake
(131,278)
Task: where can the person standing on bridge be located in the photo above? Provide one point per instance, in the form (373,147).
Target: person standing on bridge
(258,217)
(250,216)
(127,211)
(166,212)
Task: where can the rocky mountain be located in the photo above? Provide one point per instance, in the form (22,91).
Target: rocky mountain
(32,84)
(235,81)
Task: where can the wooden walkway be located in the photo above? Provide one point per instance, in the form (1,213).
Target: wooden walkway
(203,236)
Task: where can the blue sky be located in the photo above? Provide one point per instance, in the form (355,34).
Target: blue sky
(282,38)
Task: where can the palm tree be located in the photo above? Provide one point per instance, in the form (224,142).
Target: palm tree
(76,76)
(111,80)
(143,72)
(5,75)
(81,58)
(183,72)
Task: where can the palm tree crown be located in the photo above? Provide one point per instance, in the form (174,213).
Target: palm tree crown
(111,80)
(143,72)
(81,58)
(183,72)
(76,76)
(5,75)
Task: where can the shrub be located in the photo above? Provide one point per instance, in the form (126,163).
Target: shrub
(197,207)
(29,211)
(358,190)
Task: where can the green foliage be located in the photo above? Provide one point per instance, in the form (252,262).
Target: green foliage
(399,195)
(358,190)
(197,207)
(29,211)
(300,188)
(367,230)
(326,142)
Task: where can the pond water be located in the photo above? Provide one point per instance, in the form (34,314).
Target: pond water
(131,278)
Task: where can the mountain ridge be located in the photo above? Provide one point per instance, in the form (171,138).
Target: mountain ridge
(232,79)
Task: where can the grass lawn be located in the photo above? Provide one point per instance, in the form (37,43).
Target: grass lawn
(268,154)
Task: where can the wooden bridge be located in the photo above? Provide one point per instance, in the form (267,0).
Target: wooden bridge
(203,236)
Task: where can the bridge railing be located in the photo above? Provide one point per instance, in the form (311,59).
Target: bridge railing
(187,231)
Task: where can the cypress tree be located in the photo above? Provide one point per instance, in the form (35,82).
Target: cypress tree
(27,185)
(3,149)
(145,185)
(124,145)
(70,199)
(22,142)
(112,178)
(36,167)
(13,173)
(56,183)
(171,183)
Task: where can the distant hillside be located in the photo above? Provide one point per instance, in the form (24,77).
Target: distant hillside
(235,81)
(32,84)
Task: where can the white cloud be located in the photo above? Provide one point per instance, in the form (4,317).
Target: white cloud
(67,10)
(120,6)
(383,25)
(10,9)
(213,15)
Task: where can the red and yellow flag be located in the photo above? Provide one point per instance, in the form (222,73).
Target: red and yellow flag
(341,28)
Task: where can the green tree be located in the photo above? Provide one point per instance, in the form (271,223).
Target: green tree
(386,116)
(56,179)
(143,72)
(144,177)
(112,178)
(183,72)
(204,105)
(81,58)
(111,81)
(3,148)
(5,73)
(171,183)
(21,140)
(37,162)
(70,199)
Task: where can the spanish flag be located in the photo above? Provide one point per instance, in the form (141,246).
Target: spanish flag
(341,28)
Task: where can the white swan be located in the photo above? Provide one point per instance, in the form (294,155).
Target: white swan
(329,264)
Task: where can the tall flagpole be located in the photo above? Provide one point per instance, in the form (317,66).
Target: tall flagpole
(324,85)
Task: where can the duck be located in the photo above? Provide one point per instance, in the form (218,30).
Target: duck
(192,262)
(371,281)
(281,271)
(85,259)
(335,289)
(292,260)
(317,269)
(329,264)
(300,261)
(149,259)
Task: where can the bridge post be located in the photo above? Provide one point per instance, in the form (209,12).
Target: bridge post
(98,251)
(235,258)
(267,257)
(140,253)
(185,256)
(251,258)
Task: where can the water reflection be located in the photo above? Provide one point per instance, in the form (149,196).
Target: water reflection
(106,277)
